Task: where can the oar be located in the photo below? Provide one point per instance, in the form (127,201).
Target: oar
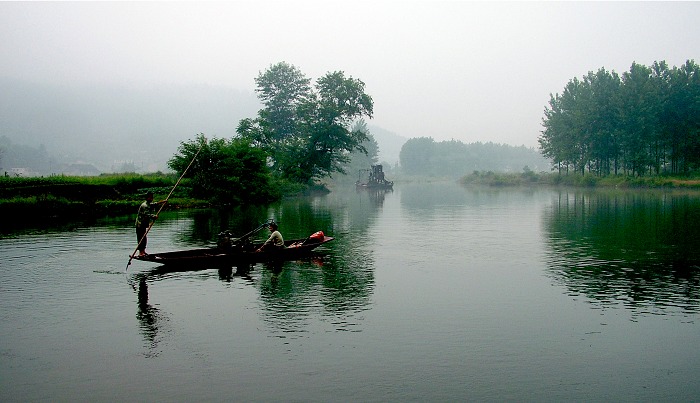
(163,204)
(246,236)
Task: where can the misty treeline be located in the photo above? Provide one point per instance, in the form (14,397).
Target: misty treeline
(425,156)
(117,128)
(646,121)
(304,133)
(19,155)
(23,160)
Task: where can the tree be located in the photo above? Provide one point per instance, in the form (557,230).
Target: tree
(563,137)
(640,114)
(306,131)
(681,120)
(423,156)
(225,171)
(602,116)
(282,89)
(416,156)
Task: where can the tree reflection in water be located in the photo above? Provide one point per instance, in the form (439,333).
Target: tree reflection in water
(292,293)
(639,249)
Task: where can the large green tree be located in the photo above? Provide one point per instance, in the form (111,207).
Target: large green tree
(306,130)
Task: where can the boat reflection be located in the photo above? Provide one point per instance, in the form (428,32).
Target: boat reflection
(291,292)
(150,318)
(376,195)
(335,280)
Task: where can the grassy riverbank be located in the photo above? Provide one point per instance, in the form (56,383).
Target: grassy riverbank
(33,201)
(530,178)
(36,199)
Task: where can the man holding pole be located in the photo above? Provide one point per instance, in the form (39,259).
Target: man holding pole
(143,221)
(145,216)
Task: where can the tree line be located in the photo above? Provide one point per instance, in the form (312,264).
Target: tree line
(426,157)
(646,121)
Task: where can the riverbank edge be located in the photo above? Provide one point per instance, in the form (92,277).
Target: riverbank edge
(533,179)
(33,200)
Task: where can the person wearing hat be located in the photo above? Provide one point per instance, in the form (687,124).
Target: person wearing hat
(143,221)
(275,241)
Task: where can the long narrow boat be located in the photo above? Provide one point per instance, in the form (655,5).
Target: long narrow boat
(237,254)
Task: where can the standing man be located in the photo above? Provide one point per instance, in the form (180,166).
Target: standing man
(143,221)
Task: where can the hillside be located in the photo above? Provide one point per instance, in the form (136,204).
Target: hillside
(111,126)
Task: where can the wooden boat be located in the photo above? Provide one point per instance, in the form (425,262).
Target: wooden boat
(237,254)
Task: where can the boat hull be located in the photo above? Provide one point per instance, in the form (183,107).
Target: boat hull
(245,254)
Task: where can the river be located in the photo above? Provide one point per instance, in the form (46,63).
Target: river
(430,292)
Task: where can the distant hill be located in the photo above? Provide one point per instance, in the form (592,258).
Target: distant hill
(117,128)
(113,126)
(389,144)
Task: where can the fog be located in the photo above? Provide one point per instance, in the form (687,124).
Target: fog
(135,79)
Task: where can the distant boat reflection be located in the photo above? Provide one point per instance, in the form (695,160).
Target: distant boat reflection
(376,195)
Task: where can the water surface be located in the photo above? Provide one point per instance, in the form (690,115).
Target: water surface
(432,292)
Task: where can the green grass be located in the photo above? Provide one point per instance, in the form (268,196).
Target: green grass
(70,197)
(529,178)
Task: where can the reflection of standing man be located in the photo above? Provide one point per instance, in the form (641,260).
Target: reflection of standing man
(149,318)
(143,221)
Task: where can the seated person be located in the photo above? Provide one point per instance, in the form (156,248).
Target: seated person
(275,241)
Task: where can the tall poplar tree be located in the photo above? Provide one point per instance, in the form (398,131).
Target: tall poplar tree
(646,121)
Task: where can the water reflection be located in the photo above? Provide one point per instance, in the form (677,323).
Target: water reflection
(208,223)
(290,292)
(375,195)
(334,283)
(293,292)
(149,319)
(639,249)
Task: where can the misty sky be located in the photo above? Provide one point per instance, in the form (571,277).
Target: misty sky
(469,71)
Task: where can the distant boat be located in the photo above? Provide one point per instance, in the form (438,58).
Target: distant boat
(375,179)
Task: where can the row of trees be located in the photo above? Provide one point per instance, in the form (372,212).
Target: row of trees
(425,156)
(645,121)
(303,133)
